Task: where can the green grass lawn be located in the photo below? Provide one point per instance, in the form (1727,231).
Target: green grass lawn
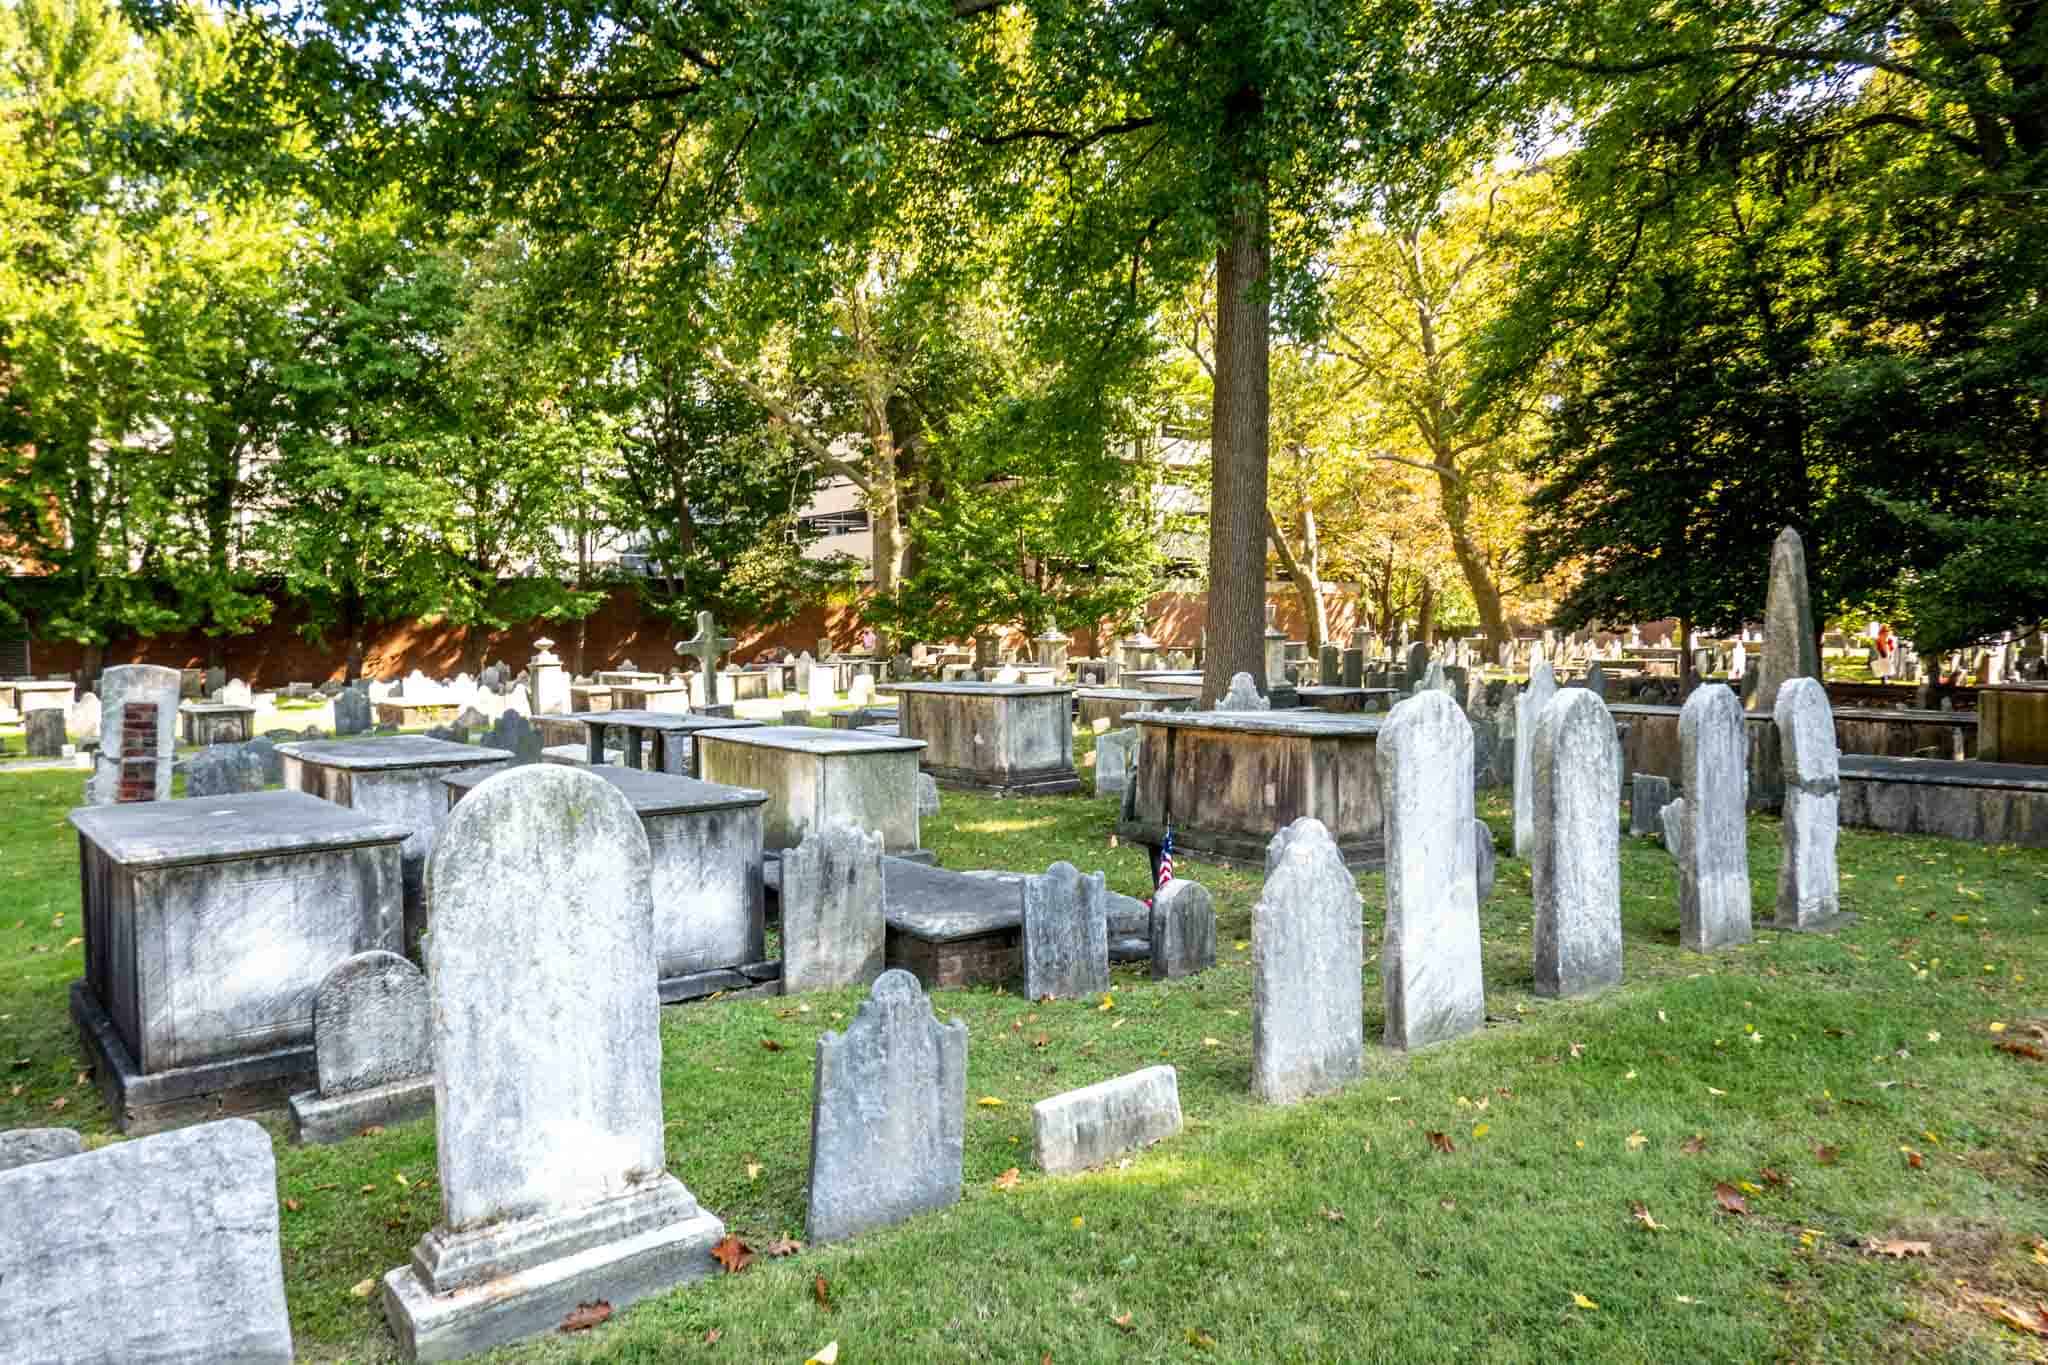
(1800,1071)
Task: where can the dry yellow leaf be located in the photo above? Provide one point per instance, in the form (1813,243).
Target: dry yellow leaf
(1636,1140)
(1108,1002)
(1480,1130)
(989,1102)
(828,1355)
(1581,1301)
(1078,1221)
(365,1288)
(1212,1042)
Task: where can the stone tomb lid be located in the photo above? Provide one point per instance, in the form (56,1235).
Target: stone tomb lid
(1916,715)
(1165,674)
(671,722)
(211,829)
(938,905)
(1124,694)
(398,751)
(214,708)
(1333,690)
(649,793)
(811,740)
(1306,721)
(1933,772)
(978,689)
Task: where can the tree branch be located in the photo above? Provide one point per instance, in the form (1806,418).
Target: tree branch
(779,413)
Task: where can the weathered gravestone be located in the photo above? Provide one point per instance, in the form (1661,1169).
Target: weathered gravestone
(1308,1024)
(514,734)
(21,1146)
(1576,871)
(1066,934)
(820,692)
(1429,961)
(888,1114)
(1100,1122)
(1791,644)
(1243,695)
(82,717)
(1329,665)
(223,770)
(138,734)
(1418,664)
(1648,795)
(1182,929)
(554,1188)
(833,930)
(1482,861)
(163,1250)
(707,646)
(1671,823)
(44,731)
(1354,668)
(1809,880)
(374,1047)
(351,711)
(1116,753)
(927,795)
(1542,687)
(1713,853)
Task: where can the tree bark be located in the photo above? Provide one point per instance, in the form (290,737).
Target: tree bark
(1305,572)
(1239,430)
(1425,614)
(1485,594)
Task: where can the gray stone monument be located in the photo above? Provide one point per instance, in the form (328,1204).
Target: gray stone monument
(1243,695)
(1576,871)
(1791,644)
(547,684)
(374,1047)
(1329,665)
(1308,1022)
(1713,856)
(223,770)
(1648,795)
(554,1187)
(1066,934)
(927,795)
(1671,823)
(888,1114)
(1482,861)
(352,710)
(707,646)
(162,1250)
(1116,753)
(1182,926)
(1099,1123)
(44,732)
(1429,961)
(1542,687)
(514,734)
(138,732)
(1354,668)
(833,932)
(1809,881)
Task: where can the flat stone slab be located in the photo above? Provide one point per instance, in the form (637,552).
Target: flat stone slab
(669,722)
(397,751)
(648,792)
(1100,1122)
(810,739)
(207,829)
(977,689)
(1945,772)
(318,1119)
(23,1146)
(1305,721)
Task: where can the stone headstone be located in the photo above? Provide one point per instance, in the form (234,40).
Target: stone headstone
(927,795)
(862,690)
(1482,860)
(1791,644)
(888,1114)
(1116,754)
(1182,927)
(1671,823)
(707,646)
(351,711)
(1066,934)
(547,684)
(452,733)
(1596,682)
(1418,662)
(1353,674)
(821,694)
(515,735)
(373,1046)
(237,693)
(223,770)
(1713,857)
(1542,687)
(1576,871)
(832,926)
(82,718)
(1429,960)
(469,718)
(44,731)
(800,715)
(552,1170)
(21,1146)
(216,679)
(1308,1023)
(138,734)
(1809,880)
(1330,665)
(1243,695)
(1648,795)
(164,1249)
(1099,1123)
(1738,662)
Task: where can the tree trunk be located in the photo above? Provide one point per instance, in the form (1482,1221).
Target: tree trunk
(1485,593)
(1304,572)
(1687,678)
(92,662)
(475,640)
(1425,614)
(1238,453)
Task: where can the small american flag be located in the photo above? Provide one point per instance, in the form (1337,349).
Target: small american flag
(1165,862)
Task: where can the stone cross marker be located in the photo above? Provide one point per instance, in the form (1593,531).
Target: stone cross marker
(1308,1021)
(1429,962)
(1791,644)
(1713,856)
(706,647)
(833,933)
(1066,934)
(1809,880)
(554,1190)
(1182,924)
(1577,864)
(888,1114)
(1542,687)
(164,1249)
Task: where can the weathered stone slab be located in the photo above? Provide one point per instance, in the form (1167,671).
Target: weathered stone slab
(44,732)
(1671,823)
(833,930)
(352,712)
(1791,644)
(1181,926)
(1307,957)
(1116,752)
(1648,795)
(162,1250)
(1099,1123)
(21,1146)
(1429,961)
(373,1046)
(1809,881)
(1066,934)
(1713,857)
(818,778)
(888,1114)
(552,1170)
(514,734)
(927,795)
(1576,872)
(1482,860)
(223,770)
(992,737)
(1542,687)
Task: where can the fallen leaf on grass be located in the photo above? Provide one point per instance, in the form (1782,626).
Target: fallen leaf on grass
(1334,1215)
(1635,1141)
(1441,1142)
(822,1292)
(753,1170)
(712,1334)
(1581,1301)
(1642,1215)
(989,1102)
(770,1045)
(1480,1130)
(827,1355)
(1212,1042)
(1108,1002)
(1201,1339)
(1712,1091)
(2026,1050)
(1914,1161)
(292,1205)
(586,1316)
(2033,1321)
(1898,1251)
(364,1288)
(1041,1041)
(733,1254)
(782,1246)
(1122,1322)
(1825,1154)
(1694,1145)
(1578,1049)
(1009,1179)
(1771,1177)
(1730,1199)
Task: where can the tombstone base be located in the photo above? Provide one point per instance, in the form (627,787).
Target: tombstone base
(319,1121)
(1240,850)
(1044,782)
(534,1301)
(1826,924)
(150,1102)
(732,980)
